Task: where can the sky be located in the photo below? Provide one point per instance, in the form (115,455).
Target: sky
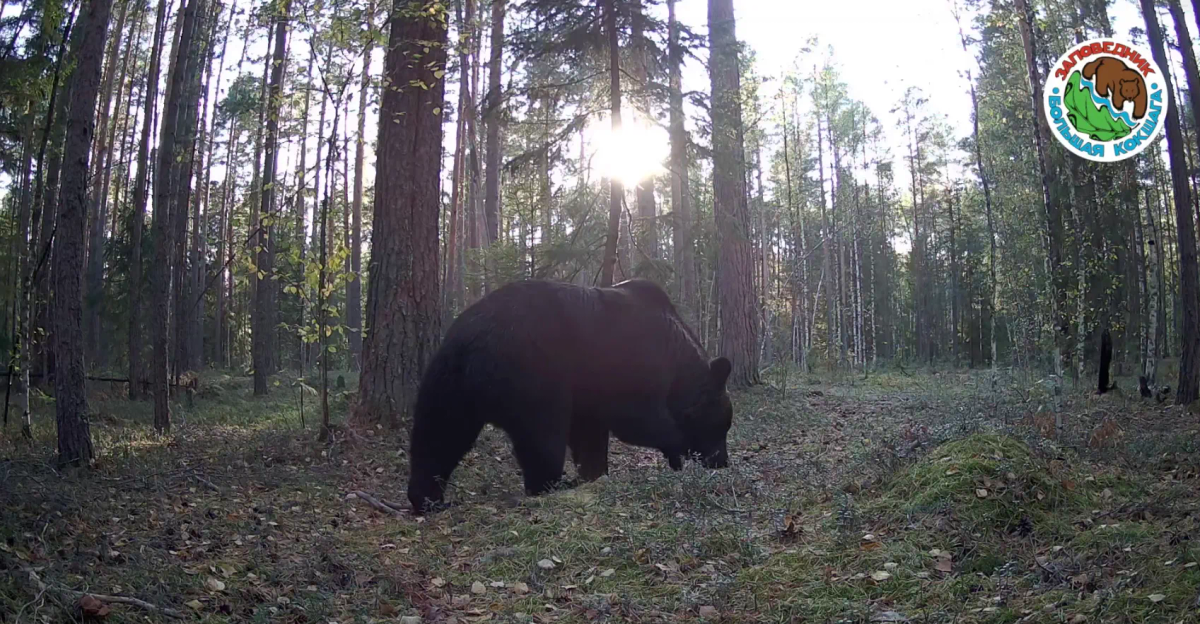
(880,47)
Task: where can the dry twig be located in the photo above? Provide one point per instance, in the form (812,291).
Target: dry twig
(142,604)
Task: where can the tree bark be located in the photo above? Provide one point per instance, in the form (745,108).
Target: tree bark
(1189,275)
(739,329)
(264,301)
(402,317)
(70,389)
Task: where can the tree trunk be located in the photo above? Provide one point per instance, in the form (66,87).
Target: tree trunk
(264,302)
(254,240)
(735,264)
(827,253)
(466,30)
(138,219)
(1189,275)
(354,287)
(491,119)
(616,190)
(172,148)
(322,270)
(70,385)
(1149,379)
(402,293)
(647,211)
(684,242)
(100,156)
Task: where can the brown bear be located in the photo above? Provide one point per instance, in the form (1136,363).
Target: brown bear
(557,367)
(1114,80)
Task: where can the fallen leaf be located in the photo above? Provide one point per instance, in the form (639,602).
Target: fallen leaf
(944,565)
(981,493)
(607,573)
(438,581)
(477,588)
(709,612)
(546,564)
(214,584)
(1157,597)
(880,576)
(521,588)
(92,607)
(889,616)
(194,604)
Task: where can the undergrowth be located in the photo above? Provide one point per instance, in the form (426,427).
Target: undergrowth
(923,497)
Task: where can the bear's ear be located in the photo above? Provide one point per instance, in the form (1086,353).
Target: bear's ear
(719,370)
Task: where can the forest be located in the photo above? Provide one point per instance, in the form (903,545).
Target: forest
(964,359)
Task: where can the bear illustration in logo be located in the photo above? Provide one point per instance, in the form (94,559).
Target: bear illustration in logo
(1114,80)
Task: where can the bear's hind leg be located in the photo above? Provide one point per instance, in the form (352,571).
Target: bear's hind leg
(439,442)
(538,429)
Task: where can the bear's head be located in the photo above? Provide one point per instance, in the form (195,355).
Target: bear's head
(1130,89)
(709,419)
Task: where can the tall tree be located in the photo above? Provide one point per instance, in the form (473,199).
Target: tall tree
(140,191)
(985,182)
(402,315)
(173,150)
(683,242)
(1052,233)
(647,211)
(735,265)
(70,385)
(354,286)
(264,302)
(491,120)
(616,189)
(100,160)
(1189,275)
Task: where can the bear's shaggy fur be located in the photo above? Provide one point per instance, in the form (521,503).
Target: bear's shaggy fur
(559,366)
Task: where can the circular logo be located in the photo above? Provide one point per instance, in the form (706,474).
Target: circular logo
(1105,100)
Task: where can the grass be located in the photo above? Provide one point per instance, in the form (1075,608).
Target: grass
(924,497)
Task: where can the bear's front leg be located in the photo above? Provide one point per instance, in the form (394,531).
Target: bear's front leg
(652,428)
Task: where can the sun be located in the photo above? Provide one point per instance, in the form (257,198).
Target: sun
(635,152)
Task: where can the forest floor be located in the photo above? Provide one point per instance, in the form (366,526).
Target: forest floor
(922,497)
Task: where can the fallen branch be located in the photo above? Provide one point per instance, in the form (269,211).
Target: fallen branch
(142,604)
(208,484)
(378,504)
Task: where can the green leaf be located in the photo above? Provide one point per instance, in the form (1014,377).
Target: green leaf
(1087,118)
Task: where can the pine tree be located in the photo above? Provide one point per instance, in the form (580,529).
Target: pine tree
(402,314)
